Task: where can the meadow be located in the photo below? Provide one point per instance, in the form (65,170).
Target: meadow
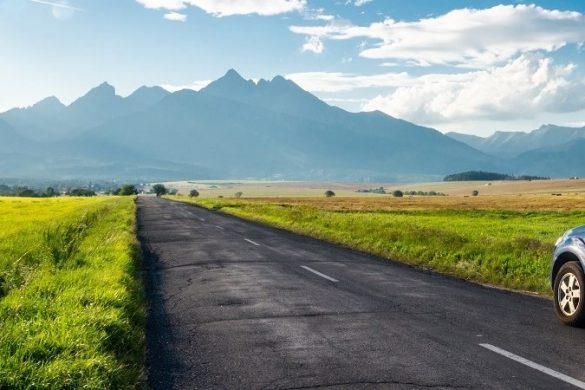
(504,241)
(71,302)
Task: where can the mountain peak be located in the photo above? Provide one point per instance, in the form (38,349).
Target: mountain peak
(231,84)
(49,103)
(233,74)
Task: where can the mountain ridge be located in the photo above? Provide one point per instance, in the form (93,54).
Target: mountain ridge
(235,128)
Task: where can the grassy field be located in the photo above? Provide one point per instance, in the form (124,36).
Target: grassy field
(225,188)
(500,240)
(71,303)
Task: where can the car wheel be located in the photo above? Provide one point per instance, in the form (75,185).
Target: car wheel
(568,294)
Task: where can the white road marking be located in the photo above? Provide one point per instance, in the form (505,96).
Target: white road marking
(202,219)
(252,242)
(319,274)
(219,227)
(565,378)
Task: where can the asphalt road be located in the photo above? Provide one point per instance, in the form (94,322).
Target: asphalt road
(239,305)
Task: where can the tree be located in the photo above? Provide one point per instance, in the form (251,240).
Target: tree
(126,190)
(238,194)
(193,193)
(475,193)
(329,194)
(397,194)
(80,192)
(159,189)
(50,192)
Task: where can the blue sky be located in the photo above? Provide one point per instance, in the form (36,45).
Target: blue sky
(469,66)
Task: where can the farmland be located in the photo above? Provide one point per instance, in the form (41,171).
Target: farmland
(499,240)
(71,306)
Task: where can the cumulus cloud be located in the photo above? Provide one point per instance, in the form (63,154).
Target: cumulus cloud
(222,8)
(176,17)
(342,82)
(464,37)
(521,89)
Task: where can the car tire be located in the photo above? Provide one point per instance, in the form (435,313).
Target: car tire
(569,294)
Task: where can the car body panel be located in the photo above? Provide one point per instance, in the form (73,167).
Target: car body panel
(573,243)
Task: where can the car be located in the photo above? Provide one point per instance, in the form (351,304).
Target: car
(568,278)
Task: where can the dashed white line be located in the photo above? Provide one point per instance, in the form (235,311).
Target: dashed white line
(252,242)
(319,274)
(555,374)
(219,227)
(202,219)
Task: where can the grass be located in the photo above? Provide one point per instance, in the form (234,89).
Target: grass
(502,240)
(72,306)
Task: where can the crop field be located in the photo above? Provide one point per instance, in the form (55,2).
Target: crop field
(71,303)
(290,189)
(505,241)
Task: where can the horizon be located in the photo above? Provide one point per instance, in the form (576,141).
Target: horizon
(449,66)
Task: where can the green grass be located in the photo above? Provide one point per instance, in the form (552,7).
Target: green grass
(506,248)
(72,311)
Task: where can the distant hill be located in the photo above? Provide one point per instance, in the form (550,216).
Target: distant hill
(512,144)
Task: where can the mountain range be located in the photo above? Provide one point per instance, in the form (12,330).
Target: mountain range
(237,128)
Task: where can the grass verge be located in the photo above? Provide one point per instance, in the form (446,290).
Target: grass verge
(72,311)
(503,246)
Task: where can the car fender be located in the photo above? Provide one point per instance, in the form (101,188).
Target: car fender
(572,246)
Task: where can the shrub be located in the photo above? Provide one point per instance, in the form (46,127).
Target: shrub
(397,194)
(193,193)
(329,194)
(238,195)
(475,193)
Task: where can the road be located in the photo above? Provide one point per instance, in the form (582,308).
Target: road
(236,304)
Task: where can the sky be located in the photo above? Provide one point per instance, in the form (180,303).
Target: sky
(469,66)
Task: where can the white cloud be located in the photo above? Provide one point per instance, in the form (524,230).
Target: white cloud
(60,9)
(221,8)
(195,86)
(521,89)
(358,3)
(463,37)
(313,44)
(342,82)
(176,17)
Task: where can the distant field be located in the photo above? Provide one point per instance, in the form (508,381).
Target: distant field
(501,240)
(215,188)
(71,307)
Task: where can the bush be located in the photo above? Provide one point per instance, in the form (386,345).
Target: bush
(193,193)
(398,194)
(238,194)
(329,194)
(475,193)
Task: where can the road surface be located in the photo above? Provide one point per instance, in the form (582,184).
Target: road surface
(235,304)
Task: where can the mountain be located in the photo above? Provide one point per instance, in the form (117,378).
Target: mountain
(274,129)
(50,120)
(564,160)
(512,144)
(237,128)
